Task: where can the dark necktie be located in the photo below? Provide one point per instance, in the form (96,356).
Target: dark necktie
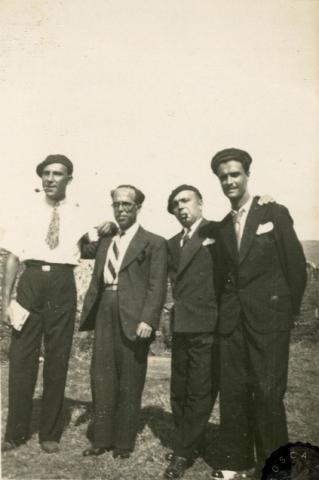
(52,237)
(185,238)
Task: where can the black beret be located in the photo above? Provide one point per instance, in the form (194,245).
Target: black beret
(179,189)
(55,159)
(229,154)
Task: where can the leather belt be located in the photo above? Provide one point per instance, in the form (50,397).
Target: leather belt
(112,288)
(48,267)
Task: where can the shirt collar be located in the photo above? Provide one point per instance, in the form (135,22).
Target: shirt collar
(190,231)
(60,202)
(244,208)
(130,232)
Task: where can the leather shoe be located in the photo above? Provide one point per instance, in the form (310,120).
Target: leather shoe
(217,474)
(169,456)
(122,454)
(50,446)
(233,475)
(176,468)
(93,451)
(249,473)
(7,446)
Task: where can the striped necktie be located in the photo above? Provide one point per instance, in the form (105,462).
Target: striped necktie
(237,224)
(52,237)
(111,270)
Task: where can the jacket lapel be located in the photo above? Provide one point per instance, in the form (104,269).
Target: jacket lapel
(189,250)
(229,238)
(100,260)
(174,247)
(253,219)
(138,243)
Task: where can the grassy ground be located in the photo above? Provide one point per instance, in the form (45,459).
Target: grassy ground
(154,439)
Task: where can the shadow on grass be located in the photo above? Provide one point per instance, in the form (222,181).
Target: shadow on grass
(82,409)
(156,418)
(162,426)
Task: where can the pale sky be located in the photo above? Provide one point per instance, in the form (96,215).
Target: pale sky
(146,91)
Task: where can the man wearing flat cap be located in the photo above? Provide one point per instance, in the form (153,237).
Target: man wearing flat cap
(192,263)
(264,281)
(46,240)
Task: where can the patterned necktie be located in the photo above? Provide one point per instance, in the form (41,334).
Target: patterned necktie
(112,262)
(185,238)
(236,220)
(52,237)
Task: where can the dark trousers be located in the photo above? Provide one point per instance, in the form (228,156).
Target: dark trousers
(193,389)
(118,373)
(50,296)
(254,368)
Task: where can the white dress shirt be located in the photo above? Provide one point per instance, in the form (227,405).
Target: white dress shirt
(26,234)
(123,242)
(190,231)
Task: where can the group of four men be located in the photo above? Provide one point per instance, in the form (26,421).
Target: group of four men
(237,285)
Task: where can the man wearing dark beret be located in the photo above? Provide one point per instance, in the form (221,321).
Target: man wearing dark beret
(46,241)
(264,274)
(57,158)
(194,316)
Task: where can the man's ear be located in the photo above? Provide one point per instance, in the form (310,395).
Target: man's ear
(70,178)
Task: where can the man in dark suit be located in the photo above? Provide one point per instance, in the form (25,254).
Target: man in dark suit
(193,383)
(265,277)
(123,305)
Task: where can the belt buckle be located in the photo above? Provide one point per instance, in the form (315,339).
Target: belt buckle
(46,268)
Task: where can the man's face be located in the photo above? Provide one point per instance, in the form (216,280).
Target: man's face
(233,179)
(187,207)
(124,207)
(55,179)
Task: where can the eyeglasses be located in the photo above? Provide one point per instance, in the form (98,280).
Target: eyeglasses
(127,206)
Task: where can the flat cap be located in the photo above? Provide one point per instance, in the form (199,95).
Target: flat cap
(179,189)
(229,154)
(57,158)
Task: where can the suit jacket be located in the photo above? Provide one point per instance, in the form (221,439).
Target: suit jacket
(141,286)
(192,278)
(267,278)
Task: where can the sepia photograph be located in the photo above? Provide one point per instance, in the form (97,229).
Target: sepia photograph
(159,239)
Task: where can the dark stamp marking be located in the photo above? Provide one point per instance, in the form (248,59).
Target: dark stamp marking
(294,461)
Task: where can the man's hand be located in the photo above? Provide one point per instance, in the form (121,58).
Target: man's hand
(264,199)
(106,228)
(143,330)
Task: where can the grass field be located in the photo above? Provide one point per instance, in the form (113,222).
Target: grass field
(28,462)
(154,439)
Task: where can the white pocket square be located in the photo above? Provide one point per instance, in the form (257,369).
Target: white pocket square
(264,228)
(208,241)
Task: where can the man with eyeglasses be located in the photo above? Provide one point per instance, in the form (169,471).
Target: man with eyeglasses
(123,305)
